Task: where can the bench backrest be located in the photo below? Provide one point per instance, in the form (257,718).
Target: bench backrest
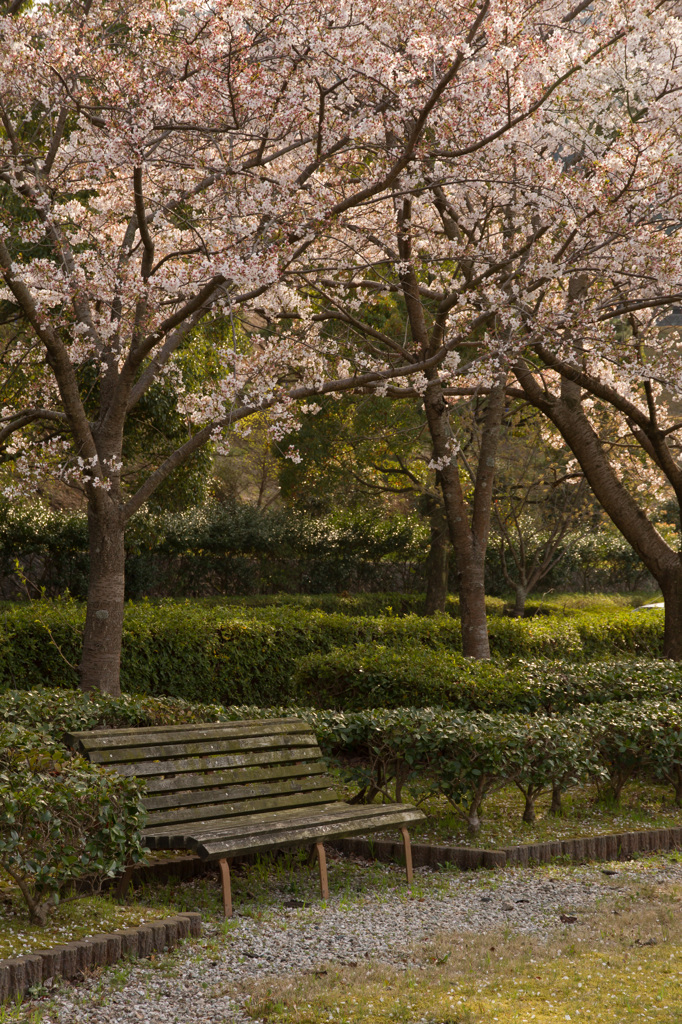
(215,770)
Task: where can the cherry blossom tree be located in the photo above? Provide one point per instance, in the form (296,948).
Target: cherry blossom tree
(167,164)
(170,169)
(541,252)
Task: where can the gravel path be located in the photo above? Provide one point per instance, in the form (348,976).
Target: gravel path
(381,925)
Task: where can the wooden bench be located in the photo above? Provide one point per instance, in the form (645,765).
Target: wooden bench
(234,788)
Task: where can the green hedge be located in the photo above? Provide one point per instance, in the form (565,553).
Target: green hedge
(236,655)
(370,676)
(461,756)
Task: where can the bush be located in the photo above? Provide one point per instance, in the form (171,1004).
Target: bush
(56,712)
(462,756)
(212,653)
(367,676)
(377,676)
(217,548)
(62,819)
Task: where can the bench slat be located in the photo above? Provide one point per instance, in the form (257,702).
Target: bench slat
(214,795)
(233,776)
(251,824)
(226,812)
(302,834)
(241,825)
(286,829)
(87,734)
(203,748)
(110,739)
(198,764)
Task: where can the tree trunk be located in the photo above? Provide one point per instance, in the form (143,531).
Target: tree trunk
(521,593)
(676,779)
(662,561)
(556,809)
(100,667)
(468,523)
(437,562)
(473,817)
(471,580)
(672,631)
(529,809)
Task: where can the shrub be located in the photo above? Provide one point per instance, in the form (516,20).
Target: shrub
(461,755)
(367,676)
(619,736)
(211,653)
(377,676)
(62,819)
(663,737)
(56,712)
(552,755)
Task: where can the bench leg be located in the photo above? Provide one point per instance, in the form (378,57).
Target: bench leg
(122,887)
(227,889)
(322,860)
(408,854)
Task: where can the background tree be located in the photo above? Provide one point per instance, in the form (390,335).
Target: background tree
(162,166)
(368,452)
(492,248)
(540,500)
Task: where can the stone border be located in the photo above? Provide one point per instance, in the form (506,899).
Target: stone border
(74,959)
(615,846)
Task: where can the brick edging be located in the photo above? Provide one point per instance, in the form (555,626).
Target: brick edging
(73,959)
(614,846)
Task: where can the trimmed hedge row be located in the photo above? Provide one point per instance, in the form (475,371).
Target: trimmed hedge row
(237,655)
(367,676)
(466,757)
(462,757)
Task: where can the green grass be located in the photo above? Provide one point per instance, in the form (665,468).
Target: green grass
(76,919)
(601,966)
(571,602)
(642,806)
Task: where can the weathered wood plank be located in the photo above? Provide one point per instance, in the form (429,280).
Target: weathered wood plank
(238,825)
(196,797)
(226,812)
(163,752)
(215,846)
(86,734)
(91,741)
(232,776)
(271,821)
(274,822)
(160,752)
(198,764)
(295,837)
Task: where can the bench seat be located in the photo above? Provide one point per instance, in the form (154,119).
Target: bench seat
(232,788)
